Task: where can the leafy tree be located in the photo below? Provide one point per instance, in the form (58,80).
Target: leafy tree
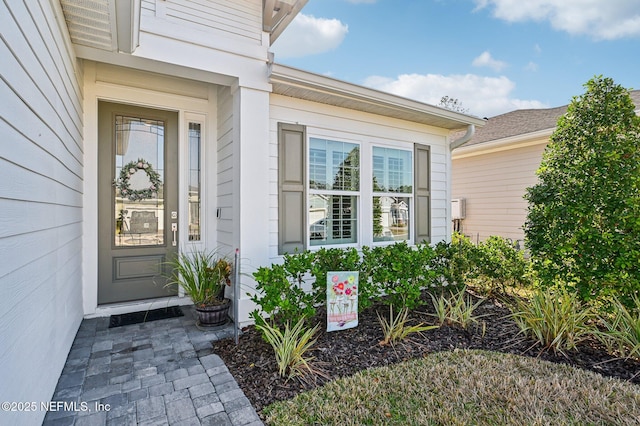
(583,223)
(452,104)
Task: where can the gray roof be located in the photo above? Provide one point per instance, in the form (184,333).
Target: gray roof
(524,121)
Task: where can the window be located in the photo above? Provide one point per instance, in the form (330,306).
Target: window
(327,195)
(334,189)
(195,175)
(392,194)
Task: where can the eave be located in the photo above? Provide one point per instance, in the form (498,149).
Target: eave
(296,83)
(278,14)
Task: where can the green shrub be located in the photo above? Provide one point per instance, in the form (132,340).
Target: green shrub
(582,225)
(336,259)
(290,347)
(557,320)
(455,263)
(399,272)
(279,290)
(621,330)
(500,265)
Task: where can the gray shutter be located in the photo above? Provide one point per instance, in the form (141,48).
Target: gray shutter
(422,194)
(291,188)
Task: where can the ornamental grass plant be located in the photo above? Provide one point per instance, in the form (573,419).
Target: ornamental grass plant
(556,320)
(202,275)
(621,330)
(456,309)
(396,329)
(291,347)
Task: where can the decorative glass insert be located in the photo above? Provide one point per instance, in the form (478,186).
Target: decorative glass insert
(195,176)
(138,184)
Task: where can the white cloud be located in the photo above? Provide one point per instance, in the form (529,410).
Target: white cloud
(600,19)
(531,66)
(308,35)
(486,60)
(482,96)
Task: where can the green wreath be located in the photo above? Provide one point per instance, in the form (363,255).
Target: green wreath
(124,187)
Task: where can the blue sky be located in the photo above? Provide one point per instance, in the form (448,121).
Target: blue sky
(494,56)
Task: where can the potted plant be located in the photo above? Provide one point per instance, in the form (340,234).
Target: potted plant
(203,275)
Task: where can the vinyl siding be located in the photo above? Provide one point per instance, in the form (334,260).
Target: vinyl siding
(494,185)
(41,185)
(206,22)
(225,171)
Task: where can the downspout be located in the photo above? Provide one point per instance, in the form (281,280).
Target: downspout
(471,130)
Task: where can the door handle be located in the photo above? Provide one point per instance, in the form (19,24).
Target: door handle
(174,230)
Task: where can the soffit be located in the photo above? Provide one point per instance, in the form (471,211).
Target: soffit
(278,14)
(300,84)
(91,23)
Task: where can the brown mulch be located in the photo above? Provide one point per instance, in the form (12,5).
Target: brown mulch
(346,352)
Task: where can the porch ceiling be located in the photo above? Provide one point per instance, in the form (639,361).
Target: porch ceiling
(111,25)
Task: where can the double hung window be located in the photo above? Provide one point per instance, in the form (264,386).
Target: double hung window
(392,194)
(334,191)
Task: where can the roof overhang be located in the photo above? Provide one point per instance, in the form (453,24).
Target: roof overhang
(111,25)
(301,84)
(504,144)
(278,14)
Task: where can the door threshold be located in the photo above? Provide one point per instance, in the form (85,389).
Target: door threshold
(138,305)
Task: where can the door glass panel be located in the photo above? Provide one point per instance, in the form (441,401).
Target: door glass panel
(139,177)
(194,181)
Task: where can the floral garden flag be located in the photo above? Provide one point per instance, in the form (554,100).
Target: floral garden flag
(342,300)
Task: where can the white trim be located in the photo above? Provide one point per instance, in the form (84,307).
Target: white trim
(138,305)
(513,142)
(95,91)
(366,98)
(185,155)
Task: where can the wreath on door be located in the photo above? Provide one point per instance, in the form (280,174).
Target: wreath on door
(123,184)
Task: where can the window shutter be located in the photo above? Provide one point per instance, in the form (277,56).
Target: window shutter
(291,188)
(422,194)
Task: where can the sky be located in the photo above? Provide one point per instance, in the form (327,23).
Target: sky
(493,56)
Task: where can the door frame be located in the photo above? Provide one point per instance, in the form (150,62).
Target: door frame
(113,255)
(201,109)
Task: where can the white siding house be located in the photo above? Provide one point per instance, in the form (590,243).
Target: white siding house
(41,192)
(188,86)
(492,172)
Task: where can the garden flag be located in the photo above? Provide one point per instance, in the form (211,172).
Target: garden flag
(342,300)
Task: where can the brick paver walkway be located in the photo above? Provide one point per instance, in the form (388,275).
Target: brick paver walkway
(157,373)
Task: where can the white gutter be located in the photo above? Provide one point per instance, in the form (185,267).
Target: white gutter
(471,130)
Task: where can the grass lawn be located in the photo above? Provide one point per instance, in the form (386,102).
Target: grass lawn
(465,387)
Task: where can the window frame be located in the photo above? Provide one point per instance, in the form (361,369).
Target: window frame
(365,194)
(185,162)
(337,192)
(410,195)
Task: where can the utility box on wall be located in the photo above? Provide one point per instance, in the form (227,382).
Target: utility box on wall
(457,208)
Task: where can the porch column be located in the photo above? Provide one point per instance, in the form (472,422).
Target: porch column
(251,126)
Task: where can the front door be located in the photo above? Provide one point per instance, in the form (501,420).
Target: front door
(137,201)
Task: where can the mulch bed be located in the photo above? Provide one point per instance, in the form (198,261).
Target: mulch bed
(346,352)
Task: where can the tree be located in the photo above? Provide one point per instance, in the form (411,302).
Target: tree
(452,104)
(583,222)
